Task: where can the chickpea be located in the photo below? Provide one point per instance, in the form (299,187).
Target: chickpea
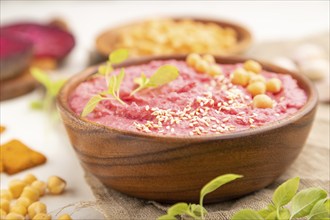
(262,101)
(256,88)
(4,205)
(24,201)
(16,187)
(35,208)
(215,70)
(202,66)
(253,66)
(56,185)
(6,194)
(274,85)
(14,216)
(40,186)
(30,193)
(192,59)
(240,77)
(257,78)
(42,216)
(64,217)
(19,209)
(209,58)
(29,179)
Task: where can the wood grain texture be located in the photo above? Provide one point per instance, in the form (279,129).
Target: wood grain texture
(105,41)
(170,169)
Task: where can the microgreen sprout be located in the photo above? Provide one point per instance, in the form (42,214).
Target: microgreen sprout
(52,88)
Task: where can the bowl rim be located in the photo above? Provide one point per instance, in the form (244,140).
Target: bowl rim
(242,45)
(312,98)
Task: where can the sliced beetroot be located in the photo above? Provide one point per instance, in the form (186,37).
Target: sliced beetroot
(15,56)
(48,41)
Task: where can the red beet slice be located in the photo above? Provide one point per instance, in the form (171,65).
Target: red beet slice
(48,41)
(15,56)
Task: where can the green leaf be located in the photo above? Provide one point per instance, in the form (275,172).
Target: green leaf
(37,105)
(319,210)
(272,216)
(41,77)
(247,214)
(215,184)
(142,80)
(167,217)
(91,104)
(285,192)
(56,86)
(265,212)
(119,80)
(303,202)
(102,70)
(118,56)
(284,214)
(196,209)
(327,206)
(178,209)
(163,75)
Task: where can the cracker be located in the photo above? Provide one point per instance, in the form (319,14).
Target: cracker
(16,157)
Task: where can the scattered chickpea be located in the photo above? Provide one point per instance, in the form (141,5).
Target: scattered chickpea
(64,217)
(253,66)
(29,179)
(4,205)
(56,185)
(6,194)
(202,66)
(192,59)
(215,70)
(262,101)
(209,58)
(30,193)
(240,77)
(14,216)
(40,186)
(35,208)
(42,216)
(257,78)
(256,88)
(24,201)
(274,85)
(19,209)
(16,187)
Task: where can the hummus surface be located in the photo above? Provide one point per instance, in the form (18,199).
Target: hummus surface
(193,104)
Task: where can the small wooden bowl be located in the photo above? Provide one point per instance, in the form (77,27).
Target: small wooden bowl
(171,169)
(105,42)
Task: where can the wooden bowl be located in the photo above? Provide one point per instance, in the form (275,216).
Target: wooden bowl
(106,41)
(171,169)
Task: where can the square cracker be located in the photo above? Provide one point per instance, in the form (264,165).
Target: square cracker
(16,157)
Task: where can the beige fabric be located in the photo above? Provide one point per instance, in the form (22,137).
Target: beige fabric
(312,166)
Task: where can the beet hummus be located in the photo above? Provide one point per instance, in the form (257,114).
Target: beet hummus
(193,104)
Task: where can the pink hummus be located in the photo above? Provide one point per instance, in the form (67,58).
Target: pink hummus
(193,104)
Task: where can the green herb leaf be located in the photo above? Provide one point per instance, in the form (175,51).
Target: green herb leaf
(41,77)
(284,214)
(118,56)
(319,210)
(327,206)
(163,75)
(178,209)
(196,209)
(247,214)
(271,216)
(285,192)
(91,104)
(303,202)
(215,184)
(167,217)
(119,80)
(114,85)
(265,212)
(37,105)
(56,86)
